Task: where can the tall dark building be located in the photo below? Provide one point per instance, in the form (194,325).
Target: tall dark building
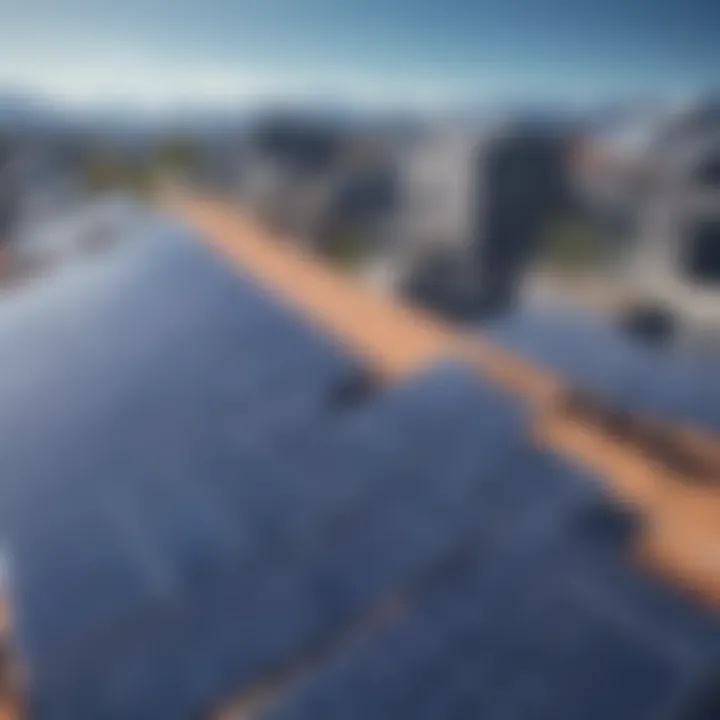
(8,192)
(523,186)
(473,213)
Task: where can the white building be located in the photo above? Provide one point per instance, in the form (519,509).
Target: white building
(670,191)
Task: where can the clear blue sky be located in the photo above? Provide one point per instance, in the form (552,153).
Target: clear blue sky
(375,51)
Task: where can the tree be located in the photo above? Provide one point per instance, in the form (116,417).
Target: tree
(178,155)
(571,243)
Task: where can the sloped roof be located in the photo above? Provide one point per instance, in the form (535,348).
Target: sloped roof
(667,469)
(202,494)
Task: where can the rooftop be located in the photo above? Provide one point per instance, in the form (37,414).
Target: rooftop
(232,474)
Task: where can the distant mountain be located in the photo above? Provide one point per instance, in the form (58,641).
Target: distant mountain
(19,111)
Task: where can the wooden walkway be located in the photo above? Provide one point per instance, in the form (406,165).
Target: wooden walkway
(681,507)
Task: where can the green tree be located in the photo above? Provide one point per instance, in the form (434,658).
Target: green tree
(178,155)
(571,243)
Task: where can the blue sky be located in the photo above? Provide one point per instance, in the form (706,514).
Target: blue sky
(377,52)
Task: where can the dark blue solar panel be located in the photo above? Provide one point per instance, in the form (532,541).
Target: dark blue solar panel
(581,348)
(115,381)
(563,660)
(596,357)
(683,388)
(326,521)
(654,609)
(509,635)
(379,542)
(230,514)
(77,569)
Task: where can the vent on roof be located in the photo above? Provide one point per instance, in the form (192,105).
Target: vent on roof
(353,391)
(650,325)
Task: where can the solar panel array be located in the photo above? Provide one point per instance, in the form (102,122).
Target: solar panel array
(196,495)
(595,356)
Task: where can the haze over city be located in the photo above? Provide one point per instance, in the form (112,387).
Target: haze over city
(154,54)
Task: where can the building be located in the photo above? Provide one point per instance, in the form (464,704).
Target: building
(473,207)
(662,199)
(8,192)
(286,168)
(319,182)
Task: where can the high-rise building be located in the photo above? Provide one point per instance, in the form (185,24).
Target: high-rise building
(473,209)
(8,194)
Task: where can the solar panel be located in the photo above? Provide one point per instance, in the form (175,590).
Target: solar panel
(596,357)
(506,636)
(77,570)
(197,461)
(120,394)
(252,590)
(563,661)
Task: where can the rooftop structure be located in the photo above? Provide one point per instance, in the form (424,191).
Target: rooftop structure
(234,482)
